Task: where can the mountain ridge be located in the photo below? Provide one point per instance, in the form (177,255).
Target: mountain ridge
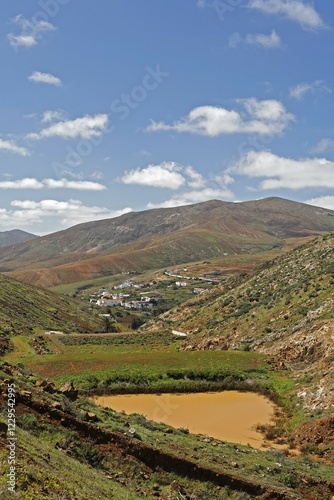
(158,238)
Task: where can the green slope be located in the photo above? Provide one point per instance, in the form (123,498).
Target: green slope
(26,308)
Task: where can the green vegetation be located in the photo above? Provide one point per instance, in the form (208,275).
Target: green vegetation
(283,295)
(267,332)
(28,309)
(74,461)
(142,363)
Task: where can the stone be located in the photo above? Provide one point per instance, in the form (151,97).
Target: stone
(56,405)
(69,391)
(92,417)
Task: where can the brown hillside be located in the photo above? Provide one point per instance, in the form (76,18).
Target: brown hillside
(162,237)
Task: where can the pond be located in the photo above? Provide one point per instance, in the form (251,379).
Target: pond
(229,415)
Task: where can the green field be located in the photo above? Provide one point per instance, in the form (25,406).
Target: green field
(142,363)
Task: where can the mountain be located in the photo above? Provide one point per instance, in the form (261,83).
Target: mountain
(15,236)
(162,237)
(285,309)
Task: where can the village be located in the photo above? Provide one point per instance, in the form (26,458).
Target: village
(145,297)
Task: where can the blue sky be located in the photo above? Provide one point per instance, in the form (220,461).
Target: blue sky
(122,105)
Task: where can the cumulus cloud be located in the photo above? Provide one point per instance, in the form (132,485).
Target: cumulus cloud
(281,172)
(322,201)
(31,183)
(27,183)
(39,77)
(196,188)
(52,215)
(223,179)
(190,197)
(195,179)
(300,90)
(294,10)
(271,41)
(166,175)
(30,32)
(12,147)
(268,117)
(86,127)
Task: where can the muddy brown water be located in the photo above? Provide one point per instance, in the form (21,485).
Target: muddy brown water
(230,415)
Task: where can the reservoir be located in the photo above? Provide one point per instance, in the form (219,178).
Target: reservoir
(228,416)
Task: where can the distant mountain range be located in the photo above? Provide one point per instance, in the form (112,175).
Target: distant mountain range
(15,236)
(162,237)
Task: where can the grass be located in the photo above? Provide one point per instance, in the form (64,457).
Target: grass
(48,453)
(135,363)
(57,462)
(28,309)
(45,472)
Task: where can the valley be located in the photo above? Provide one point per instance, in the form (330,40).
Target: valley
(256,317)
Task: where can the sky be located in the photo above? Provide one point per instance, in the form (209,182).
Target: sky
(127,105)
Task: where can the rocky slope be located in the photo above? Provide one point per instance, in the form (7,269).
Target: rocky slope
(285,309)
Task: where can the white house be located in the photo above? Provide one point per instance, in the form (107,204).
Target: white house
(109,302)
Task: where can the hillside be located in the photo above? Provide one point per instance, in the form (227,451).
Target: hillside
(108,455)
(8,238)
(284,309)
(162,237)
(27,309)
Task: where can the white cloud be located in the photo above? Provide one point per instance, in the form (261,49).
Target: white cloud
(322,201)
(86,127)
(165,175)
(325,144)
(26,41)
(295,10)
(31,32)
(224,179)
(281,172)
(11,147)
(31,183)
(299,91)
(50,116)
(267,117)
(52,215)
(196,180)
(271,41)
(190,197)
(67,184)
(39,77)
(27,183)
